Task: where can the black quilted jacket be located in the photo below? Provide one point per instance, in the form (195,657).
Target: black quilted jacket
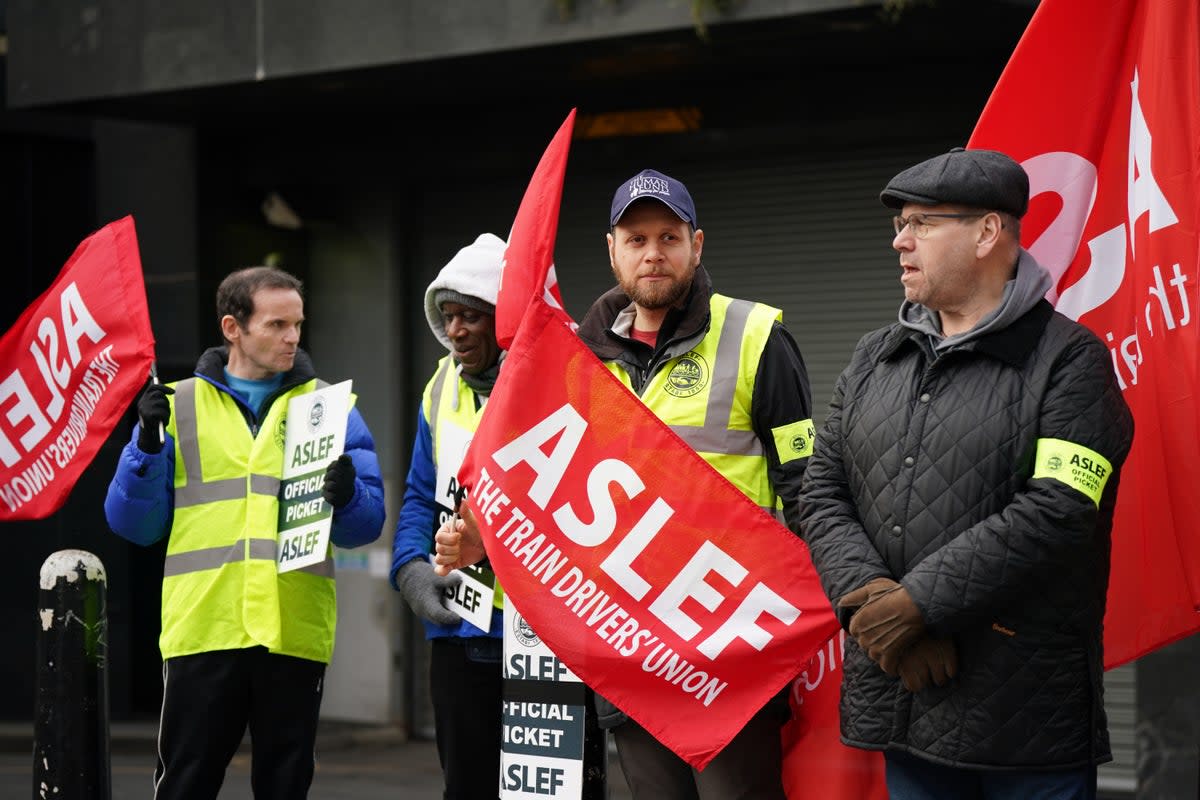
(923,473)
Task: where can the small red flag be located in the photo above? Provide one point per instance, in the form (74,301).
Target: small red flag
(69,367)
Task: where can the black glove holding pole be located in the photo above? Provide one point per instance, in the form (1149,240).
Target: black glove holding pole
(154,412)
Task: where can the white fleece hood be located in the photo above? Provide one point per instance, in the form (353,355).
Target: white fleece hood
(474,271)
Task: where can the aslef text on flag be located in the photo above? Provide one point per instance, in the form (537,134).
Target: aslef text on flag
(69,368)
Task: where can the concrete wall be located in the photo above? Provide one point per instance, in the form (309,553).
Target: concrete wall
(121,47)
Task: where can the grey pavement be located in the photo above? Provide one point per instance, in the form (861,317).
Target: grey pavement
(353,762)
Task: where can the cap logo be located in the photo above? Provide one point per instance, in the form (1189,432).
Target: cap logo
(648,184)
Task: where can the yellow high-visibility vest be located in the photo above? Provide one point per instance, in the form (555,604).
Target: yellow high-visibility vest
(705,394)
(449,407)
(221,589)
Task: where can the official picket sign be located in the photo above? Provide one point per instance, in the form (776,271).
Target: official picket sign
(472,598)
(316,435)
(541,752)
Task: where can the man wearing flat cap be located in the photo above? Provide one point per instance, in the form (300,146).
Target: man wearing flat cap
(958,506)
(465,673)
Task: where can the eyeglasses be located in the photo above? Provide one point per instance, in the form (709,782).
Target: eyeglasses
(920,222)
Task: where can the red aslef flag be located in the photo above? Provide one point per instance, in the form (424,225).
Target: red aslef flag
(69,367)
(647,573)
(1103,111)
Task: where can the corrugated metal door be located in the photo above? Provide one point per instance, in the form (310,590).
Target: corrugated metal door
(1118,778)
(805,233)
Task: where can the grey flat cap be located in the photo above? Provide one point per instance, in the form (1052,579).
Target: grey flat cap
(976,178)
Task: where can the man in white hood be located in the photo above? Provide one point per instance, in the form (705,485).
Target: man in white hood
(465,673)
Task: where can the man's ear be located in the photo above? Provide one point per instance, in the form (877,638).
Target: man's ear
(989,233)
(698,244)
(230,328)
(612,253)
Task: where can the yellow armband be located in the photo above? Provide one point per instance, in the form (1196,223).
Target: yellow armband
(1074,465)
(794,440)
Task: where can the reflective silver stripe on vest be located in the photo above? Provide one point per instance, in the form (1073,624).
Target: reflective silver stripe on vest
(217,557)
(720,440)
(435,396)
(198,491)
(715,435)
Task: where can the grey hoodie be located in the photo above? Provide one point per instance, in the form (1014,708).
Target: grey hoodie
(1021,293)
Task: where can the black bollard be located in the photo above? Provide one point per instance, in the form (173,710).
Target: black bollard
(70,732)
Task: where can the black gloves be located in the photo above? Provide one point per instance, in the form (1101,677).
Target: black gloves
(153,410)
(339,481)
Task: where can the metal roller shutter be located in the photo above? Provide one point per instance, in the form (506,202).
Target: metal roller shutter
(1118,778)
(805,233)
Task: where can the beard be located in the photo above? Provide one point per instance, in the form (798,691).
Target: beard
(662,294)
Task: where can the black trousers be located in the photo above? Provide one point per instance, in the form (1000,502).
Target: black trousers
(208,701)
(465,683)
(749,768)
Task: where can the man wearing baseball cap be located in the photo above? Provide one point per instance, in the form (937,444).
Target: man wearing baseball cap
(958,506)
(729,379)
(666,334)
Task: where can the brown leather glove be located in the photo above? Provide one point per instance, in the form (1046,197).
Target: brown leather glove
(863,594)
(929,661)
(887,624)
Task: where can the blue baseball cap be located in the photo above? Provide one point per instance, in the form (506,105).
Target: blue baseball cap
(654,185)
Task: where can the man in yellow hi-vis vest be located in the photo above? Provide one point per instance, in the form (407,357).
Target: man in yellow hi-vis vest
(730,381)
(242,644)
(465,672)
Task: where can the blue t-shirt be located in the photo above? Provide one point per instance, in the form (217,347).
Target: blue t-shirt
(253,392)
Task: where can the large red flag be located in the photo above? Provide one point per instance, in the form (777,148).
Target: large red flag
(648,574)
(1103,111)
(69,368)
